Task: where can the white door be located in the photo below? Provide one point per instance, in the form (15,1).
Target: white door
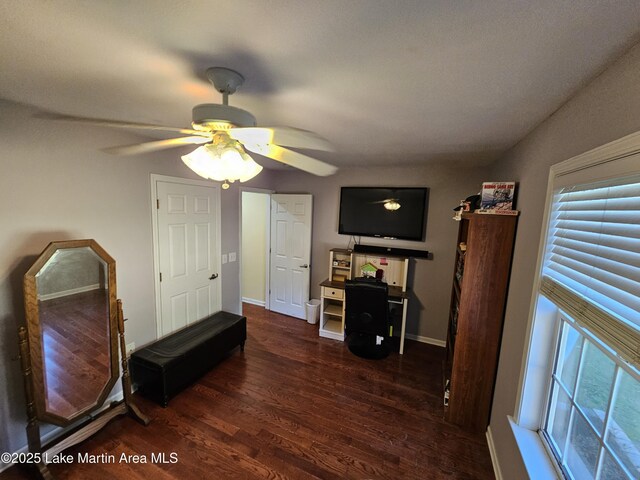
(291,217)
(188,253)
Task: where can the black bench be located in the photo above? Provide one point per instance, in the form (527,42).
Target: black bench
(163,368)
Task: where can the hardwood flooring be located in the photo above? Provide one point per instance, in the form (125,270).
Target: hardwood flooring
(296,406)
(75,332)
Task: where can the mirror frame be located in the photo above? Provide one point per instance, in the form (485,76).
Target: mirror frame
(35,332)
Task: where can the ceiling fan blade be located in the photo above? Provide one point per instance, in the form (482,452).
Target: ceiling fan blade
(155,145)
(287,136)
(293,159)
(101,122)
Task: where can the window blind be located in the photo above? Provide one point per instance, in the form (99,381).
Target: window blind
(593,251)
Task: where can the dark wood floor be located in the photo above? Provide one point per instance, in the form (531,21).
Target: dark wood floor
(294,405)
(75,331)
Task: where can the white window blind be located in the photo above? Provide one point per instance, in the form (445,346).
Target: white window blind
(593,251)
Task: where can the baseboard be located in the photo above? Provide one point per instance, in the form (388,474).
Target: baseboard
(73,291)
(429,340)
(116,397)
(260,303)
(494,457)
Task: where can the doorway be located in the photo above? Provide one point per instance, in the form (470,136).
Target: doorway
(254,258)
(275,242)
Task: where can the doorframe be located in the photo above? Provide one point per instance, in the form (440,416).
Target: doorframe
(267,280)
(154,230)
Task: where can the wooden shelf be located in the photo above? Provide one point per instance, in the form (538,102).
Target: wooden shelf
(473,343)
(333,309)
(333,326)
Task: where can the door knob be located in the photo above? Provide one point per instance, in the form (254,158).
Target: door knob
(304,266)
(213,277)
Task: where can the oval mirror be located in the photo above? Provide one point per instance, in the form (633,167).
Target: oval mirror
(70,301)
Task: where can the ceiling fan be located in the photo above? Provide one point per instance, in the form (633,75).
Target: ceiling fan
(224,133)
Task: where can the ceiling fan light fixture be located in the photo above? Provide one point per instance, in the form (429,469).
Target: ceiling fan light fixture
(199,161)
(231,163)
(391,205)
(251,168)
(223,160)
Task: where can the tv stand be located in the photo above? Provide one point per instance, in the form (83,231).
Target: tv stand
(347,264)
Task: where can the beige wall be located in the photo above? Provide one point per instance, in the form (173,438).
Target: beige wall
(255,218)
(55,184)
(607,109)
(430,280)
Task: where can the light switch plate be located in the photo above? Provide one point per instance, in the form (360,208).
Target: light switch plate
(232,256)
(224,258)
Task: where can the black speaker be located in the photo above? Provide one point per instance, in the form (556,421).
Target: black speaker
(399,252)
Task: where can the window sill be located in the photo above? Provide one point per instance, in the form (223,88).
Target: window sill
(534,455)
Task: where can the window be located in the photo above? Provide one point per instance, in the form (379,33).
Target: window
(592,424)
(581,377)
(591,272)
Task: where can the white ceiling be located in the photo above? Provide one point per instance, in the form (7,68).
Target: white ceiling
(406,81)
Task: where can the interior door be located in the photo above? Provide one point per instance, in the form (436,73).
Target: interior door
(188,253)
(291,217)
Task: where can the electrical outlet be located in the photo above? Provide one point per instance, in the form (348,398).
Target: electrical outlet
(232,256)
(224,258)
(130,348)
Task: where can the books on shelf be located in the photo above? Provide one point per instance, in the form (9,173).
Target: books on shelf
(446,393)
(460,267)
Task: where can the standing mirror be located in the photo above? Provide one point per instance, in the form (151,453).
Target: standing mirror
(69,349)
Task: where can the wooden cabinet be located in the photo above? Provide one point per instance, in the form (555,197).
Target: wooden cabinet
(478,296)
(332,294)
(332,313)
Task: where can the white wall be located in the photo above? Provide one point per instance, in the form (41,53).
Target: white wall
(255,219)
(607,109)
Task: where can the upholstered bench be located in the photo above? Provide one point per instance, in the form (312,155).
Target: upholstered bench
(163,368)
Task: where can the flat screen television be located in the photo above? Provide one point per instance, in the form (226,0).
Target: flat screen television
(388,212)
